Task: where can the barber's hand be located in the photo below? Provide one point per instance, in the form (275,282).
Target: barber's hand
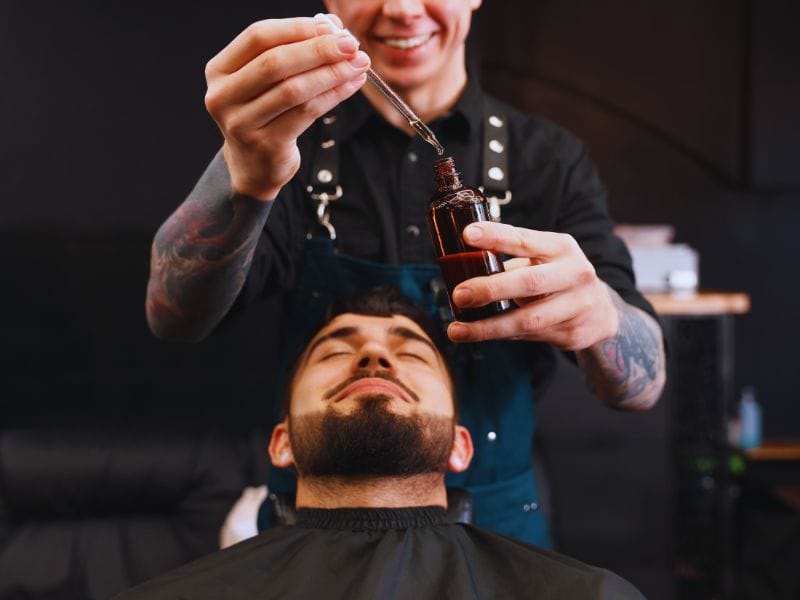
(268,86)
(561,300)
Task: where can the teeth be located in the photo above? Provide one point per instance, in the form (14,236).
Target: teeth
(407,43)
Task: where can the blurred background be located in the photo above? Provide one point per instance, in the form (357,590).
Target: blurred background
(120,454)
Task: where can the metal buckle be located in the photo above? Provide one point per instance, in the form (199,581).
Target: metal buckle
(495,202)
(323,207)
(324,196)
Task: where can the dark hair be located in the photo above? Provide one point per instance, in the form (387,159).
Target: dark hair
(380,301)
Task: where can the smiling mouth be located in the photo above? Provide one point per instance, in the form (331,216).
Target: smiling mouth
(406,43)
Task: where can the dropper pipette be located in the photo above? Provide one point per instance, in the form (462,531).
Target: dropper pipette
(404,109)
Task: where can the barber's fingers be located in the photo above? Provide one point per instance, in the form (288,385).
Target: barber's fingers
(523,282)
(342,79)
(555,319)
(519,241)
(261,36)
(285,63)
(295,121)
(517,263)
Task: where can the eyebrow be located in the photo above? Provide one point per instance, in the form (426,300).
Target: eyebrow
(343,332)
(335,334)
(410,334)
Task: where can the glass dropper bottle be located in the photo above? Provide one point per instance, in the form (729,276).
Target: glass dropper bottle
(453,207)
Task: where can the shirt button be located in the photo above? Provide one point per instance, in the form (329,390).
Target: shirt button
(491,436)
(412,230)
(412,156)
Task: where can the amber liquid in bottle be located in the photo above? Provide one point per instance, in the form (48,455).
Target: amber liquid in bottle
(451,209)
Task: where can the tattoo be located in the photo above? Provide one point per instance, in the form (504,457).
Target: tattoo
(628,370)
(200,257)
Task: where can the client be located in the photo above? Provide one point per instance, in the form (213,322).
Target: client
(370,428)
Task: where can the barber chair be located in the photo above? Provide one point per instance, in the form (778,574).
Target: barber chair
(88,513)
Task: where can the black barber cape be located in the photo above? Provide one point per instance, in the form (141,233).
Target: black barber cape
(385,554)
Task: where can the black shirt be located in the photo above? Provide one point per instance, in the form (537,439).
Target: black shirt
(387,554)
(387,179)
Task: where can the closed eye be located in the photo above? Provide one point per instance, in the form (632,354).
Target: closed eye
(330,355)
(413,356)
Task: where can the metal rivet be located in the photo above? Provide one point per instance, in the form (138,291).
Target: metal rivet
(412,156)
(495,121)
(496,146)
(526,508)
(329,120)
(328,144)
(491,436)
(325,176)
(534,506)
(413,230)
(496,173)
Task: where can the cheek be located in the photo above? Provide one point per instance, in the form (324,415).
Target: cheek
(434,392)
(309,387)
(358,17)
(452,14)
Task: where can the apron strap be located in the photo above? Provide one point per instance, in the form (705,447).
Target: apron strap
(495,157)
(324,187)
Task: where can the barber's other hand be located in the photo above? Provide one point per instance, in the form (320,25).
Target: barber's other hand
(561,300)
(268,86)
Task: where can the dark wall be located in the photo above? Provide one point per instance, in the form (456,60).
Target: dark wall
(690,111)
(688,108)
(103,133)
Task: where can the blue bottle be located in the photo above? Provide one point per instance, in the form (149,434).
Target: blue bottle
(750,416)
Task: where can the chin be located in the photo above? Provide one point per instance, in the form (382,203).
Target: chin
(407,74)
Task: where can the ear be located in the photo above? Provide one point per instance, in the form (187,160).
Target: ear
(280,448)
(461,454)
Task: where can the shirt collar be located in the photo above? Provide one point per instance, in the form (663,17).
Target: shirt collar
(371,519)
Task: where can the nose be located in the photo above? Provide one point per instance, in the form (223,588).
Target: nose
(373,356)
(403,9)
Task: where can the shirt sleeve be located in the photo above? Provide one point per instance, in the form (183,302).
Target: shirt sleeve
(279,250)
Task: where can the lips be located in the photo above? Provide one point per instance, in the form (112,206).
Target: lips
(372,385)
(406,42)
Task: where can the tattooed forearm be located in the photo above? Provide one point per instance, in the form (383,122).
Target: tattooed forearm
(200,257)
(627,371)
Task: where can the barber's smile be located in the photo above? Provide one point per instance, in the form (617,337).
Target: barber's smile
(407,42)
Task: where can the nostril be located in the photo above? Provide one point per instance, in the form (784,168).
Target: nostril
(383,362)
(363,362)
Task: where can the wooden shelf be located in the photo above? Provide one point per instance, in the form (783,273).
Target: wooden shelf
(700,303)
(784,450)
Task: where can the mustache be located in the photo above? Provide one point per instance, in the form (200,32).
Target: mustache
(363,375)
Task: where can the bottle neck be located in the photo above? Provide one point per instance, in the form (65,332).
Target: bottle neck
(447,178)
(449,183)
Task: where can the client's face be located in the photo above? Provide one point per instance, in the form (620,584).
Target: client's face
(371,397)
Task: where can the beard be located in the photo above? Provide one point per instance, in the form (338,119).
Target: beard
(371,441)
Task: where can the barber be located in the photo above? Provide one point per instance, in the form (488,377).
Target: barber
(261,221)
